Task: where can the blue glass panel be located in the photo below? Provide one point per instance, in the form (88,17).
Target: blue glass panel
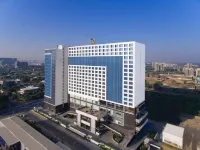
(48,75)
(114,76)
(2,142)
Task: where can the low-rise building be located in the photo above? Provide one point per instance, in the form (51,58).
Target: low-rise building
(29,89)
(164,66)
(189,71)
(21,64)
(10,83)
(15,134)
(89,118)
(173,135)
(197,72)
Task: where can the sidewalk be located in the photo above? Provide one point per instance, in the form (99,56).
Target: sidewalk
(95,137)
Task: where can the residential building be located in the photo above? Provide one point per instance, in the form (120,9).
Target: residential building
(56,79)
(189,65)
(21,65)
(173,135)
(164,66)
(10,83)
(15,134)
(8,61)
(104,82)
(197,72)
(189,69)
(28,90)
(36,67)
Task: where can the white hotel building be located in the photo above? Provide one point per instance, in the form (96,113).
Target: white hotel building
(99,82)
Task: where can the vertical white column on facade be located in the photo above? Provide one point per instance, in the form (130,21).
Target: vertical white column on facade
(93,125)
(79,119)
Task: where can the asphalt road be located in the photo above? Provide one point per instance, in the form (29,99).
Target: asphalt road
(20,108)
(70,139)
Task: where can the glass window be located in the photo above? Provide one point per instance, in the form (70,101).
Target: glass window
(130,57)
(130,66)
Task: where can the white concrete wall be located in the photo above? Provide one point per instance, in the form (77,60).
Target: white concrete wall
(58,77)
(139,74)
(79,119)
(87,115)
(93,126)
(61,68)
(173,139)
(66,74)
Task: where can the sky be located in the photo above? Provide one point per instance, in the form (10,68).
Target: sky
(170,29)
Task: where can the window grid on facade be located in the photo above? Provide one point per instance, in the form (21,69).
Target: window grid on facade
(88,85)
(115,49)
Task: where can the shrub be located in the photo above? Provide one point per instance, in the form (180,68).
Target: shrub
(117,138)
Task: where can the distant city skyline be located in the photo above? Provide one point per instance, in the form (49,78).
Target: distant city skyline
(169,29)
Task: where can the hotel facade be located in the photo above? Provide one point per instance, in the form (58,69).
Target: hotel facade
(99,82)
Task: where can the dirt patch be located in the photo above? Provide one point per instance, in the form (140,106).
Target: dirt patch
(192,132)
(192,122)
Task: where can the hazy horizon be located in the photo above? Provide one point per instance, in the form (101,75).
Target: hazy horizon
(169,29)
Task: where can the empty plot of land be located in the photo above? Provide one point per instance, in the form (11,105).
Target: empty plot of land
(192,133)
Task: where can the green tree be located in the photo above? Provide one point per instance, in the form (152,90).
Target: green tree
(14,96)
(25,79)
(158,85)
(4,100)
(147,84)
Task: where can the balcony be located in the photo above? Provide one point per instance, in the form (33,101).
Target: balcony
(141,116)
(139,128)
